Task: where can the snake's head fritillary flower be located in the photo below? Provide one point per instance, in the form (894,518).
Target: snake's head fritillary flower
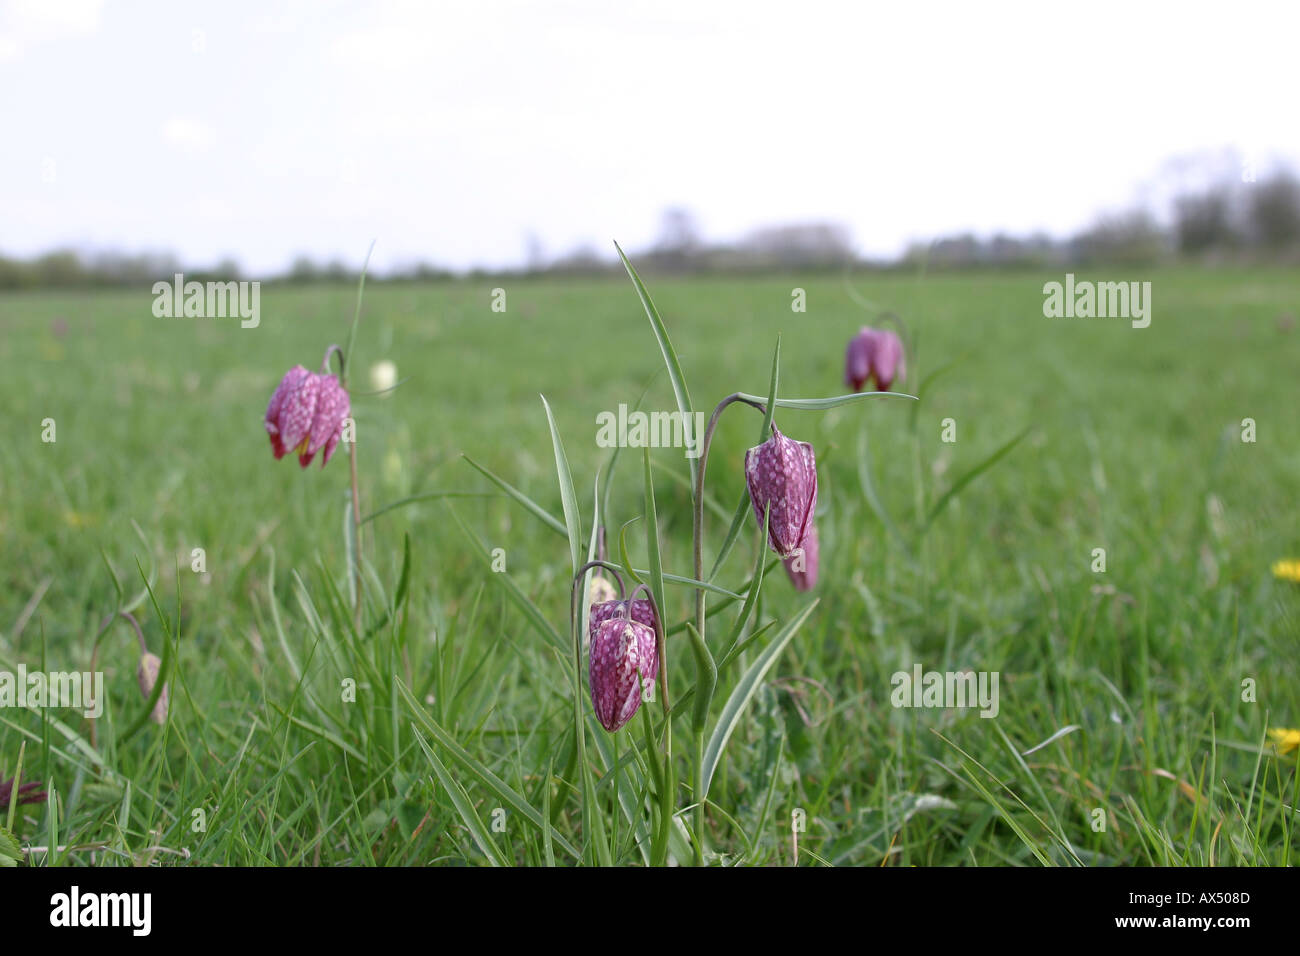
(857,359)
(887,362)
(782,473)
(802,565)
(287,416)
(621,649)
(27,793)
(332,407)
(306,414)
(639,610)
(147,675)
(874,354)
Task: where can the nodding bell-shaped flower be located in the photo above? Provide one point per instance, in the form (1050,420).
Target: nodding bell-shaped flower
(874,353)
(621,649)
(782,473)
(802,565)
(147,676)
(639,610)
(306,414)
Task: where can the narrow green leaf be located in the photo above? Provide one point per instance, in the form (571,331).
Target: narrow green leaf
(771,392)
(744,691)
(572,517)
(971,475)
(546,517)
(820,403)
(464,806)
(404,578)
(733,533)
(755,588)
(356,316)
(516,594)
(656,571)
(706,678)
(425,496)
(671,361)
(491,780)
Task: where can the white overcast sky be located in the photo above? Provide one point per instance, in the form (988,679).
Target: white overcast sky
(450,131)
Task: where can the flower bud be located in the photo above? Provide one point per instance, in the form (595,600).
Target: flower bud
(802,565)
(147,676)
(621,649)
(601,591)
(782,473)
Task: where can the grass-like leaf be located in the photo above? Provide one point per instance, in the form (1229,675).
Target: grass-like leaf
(674,366)
(545,516)
(520,599)
(971,475)
(816,404)
(569,499)
(744,691)
(464,806)
(494,783)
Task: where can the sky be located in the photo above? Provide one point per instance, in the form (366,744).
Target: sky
(452,132)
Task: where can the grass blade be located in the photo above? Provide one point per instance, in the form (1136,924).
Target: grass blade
(464,806)
(494,783)
(815,404)
(545,516)
(745,689)
(671,361)
(971,475)
(572,517)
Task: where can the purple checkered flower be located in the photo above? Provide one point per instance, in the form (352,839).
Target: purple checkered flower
(621,649)
(782,473)
(874,353)
(306,414)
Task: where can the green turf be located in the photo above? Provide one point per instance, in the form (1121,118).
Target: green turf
(1133,445)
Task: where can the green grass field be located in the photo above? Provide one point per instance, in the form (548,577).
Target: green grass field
(1134,445)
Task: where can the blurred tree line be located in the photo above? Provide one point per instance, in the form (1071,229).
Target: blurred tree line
(1223,218)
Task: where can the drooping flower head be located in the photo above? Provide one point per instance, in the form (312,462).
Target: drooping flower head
(782,473)
(621,649)
(639,610)
(802,565)
(306,414)
(857,359)
(874,354)
(888,364)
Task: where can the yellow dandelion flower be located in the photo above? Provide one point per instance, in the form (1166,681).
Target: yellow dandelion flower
(1287,570)
(1284,740)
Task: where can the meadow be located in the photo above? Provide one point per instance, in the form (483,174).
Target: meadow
(1161,674)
